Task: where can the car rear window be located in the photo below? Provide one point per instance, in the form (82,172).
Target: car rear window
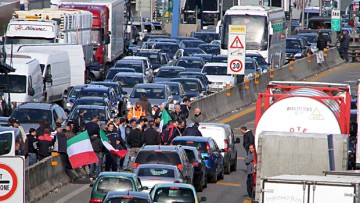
(174,194)
(156,172)
(191,156)
(158,157)
(201,146)
(127,199)
(107,184)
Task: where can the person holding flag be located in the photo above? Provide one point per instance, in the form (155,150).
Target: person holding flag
(164,119)
(113,140)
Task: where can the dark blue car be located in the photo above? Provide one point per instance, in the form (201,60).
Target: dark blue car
(201,76)
(295,49)
(210,152)
(193,87)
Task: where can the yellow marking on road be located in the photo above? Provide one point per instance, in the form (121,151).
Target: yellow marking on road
(247,201)
(240,158)
(228,184)
(312,79)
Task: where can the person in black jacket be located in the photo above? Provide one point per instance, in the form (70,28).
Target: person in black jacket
(60,141)
(344,45)
(97,145)
(31,142)
(185,107)
(151,136)
(111,159)
(79,123)
(248,138)
(193,130)
(321,42)
(134,140)
(92,127)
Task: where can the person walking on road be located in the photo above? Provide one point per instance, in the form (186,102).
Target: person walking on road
(249,162)
(185,108)
(111,159)
(79,124)
(135,141)
(193,130)
(344,45)
(248,138)
(146,105)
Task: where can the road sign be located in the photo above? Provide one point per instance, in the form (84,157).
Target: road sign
(12,181)
(335,20)
(236,49)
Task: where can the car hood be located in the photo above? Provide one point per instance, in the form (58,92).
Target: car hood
(220,78)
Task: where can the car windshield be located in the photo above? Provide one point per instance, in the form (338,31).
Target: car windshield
(32,115)
(260,60)
(128,82)
(189,85)
(214,50)
(293,44)
(137,66)
(201,146)
(107,184)
(174,89)
(168,73)
(249,65)
(157,172)
(167,48)
(89,113)
(215,70)
(310,38)
(207,37)
(154,58)
(17,84)
(151,93)
(126,199)
(189,63)
(174,194)
(111,73)
(93,94)
(158,157)
(73,92)
(190,52)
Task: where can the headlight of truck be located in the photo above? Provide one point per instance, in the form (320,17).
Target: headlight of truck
(298,55)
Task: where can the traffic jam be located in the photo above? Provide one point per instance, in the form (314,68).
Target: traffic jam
(129,100)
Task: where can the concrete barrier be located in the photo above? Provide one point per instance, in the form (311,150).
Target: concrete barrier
(216,105)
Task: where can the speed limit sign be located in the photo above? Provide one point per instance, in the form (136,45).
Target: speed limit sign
(236,49)
(236,65)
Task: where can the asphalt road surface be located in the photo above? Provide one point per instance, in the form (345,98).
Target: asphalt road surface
(233,188)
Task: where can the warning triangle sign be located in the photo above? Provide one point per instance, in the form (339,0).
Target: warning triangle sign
(236,44)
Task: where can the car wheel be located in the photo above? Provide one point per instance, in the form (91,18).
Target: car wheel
(234,166)
(227,168)
(221,176)
(213,178)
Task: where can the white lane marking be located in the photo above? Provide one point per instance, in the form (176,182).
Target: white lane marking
(73,194)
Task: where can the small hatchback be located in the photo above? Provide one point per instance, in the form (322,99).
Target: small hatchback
(114,181)
(175,192)
(127,197)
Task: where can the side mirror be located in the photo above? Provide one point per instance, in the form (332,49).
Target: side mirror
(31,91)
(48,78)
(237,140)
(203,199)
(91,185)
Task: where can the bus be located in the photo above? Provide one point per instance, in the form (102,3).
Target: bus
(265,31)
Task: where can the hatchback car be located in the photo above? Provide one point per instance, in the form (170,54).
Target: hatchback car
(98,101)
(113,71)
(155,56)
(129,80)
(177,92)
(260,60)
(193,87)
(200,177)
(201,76)
(166,73)
(71,96)
(103,113)
(207,57)
(225,139)
(151,174)
(148,67)
(156,94)
(167,47)
(31,114)
(100,91)
(186,52)
(170,155)
(114,181)
(210,48)
(252,68)
(210,152)
(295,49)
(175,192)
(127,197)
(191,63)
(217,74)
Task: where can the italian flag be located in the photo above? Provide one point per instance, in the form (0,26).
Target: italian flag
(80,151)
(165,118)
(109,147)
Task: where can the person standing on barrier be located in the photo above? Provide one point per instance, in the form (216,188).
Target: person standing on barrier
(344,45)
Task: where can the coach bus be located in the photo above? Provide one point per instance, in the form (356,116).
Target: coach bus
(265,31)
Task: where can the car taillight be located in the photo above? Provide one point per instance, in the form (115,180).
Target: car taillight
(208,148)
(135,165)
(195,164)
(93,200)
(226,146)
(180,166)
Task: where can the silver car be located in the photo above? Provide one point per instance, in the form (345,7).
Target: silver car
(151,174)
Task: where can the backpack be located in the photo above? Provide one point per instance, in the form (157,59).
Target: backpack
(166,135)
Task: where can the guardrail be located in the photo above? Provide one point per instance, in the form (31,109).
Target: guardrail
(221,103)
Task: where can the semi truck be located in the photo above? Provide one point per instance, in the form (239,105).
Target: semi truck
(310,189)
(108,27)
(302,107)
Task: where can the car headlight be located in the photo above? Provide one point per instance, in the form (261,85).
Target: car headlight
(129,105)
(298,55)
(69,104)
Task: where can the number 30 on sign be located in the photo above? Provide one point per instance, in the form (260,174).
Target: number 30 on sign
(236,66)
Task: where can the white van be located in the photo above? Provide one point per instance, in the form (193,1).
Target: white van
(55,68)
(217,75)
(75,53)
(26,83)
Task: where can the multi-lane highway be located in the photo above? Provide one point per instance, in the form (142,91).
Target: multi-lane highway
(233,188)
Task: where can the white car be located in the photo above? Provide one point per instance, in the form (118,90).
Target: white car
(217,75)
